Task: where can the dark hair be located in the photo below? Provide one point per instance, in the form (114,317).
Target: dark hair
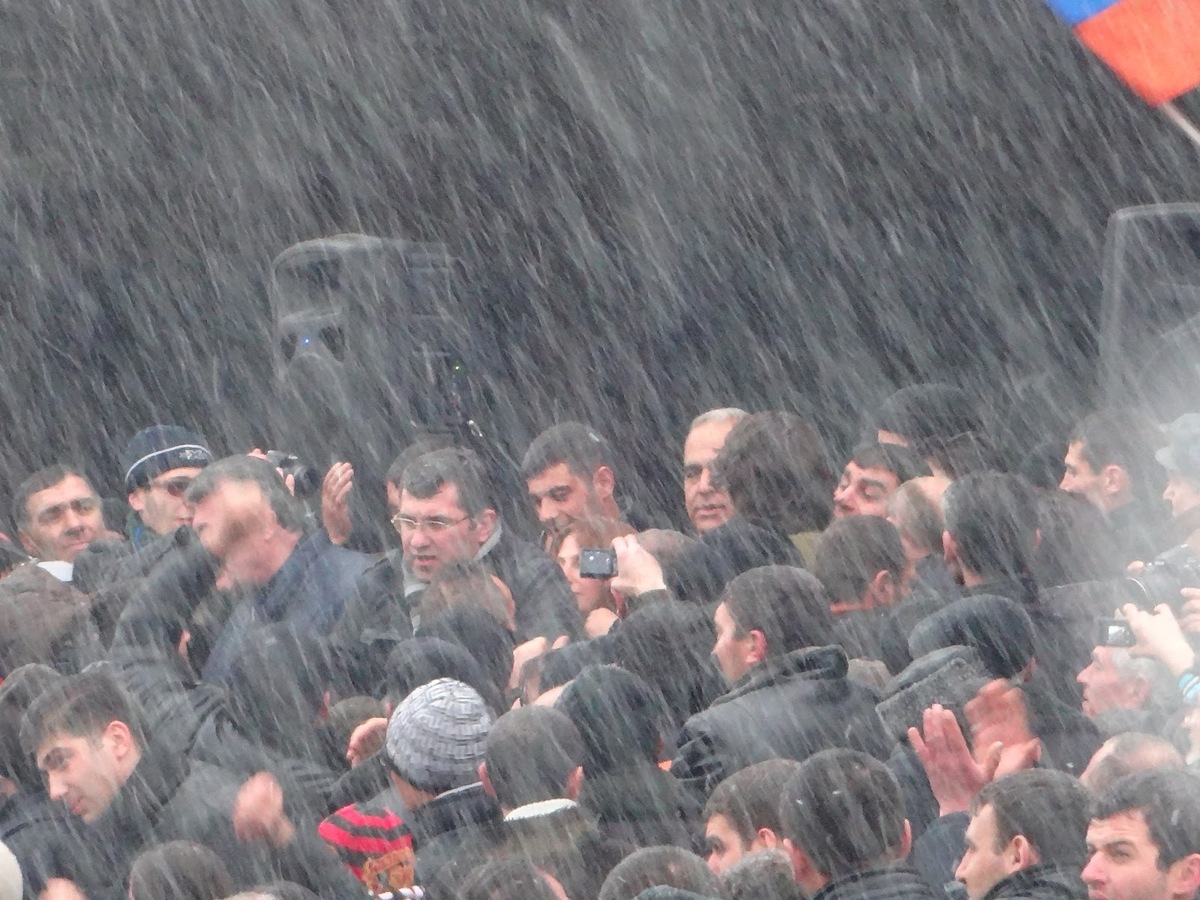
(655,866)
(1169,801)
(618,715)
(477,631)
(1129,752)
(531,751)
(764,875)
(579,446)
(456,466)
(1077,544)
(895,458)
(993,518)
(776,470)
(591,531)
(788,605)
(80,705)
(418,661)
(509,878)
(749,799)
(1050,809)
(852,551)
(251,470)
(1125,437)
(179,870)
(278,683)
(997,628)
(669,645)
(917,517)
(463,583)
(845,810)
(420,445)
(17,693)
(939,422)
(40,480)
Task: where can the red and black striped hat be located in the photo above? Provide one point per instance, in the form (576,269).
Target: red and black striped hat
(363,834)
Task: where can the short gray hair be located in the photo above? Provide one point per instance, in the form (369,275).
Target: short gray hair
(1164,690)
(251,470)
(724,414)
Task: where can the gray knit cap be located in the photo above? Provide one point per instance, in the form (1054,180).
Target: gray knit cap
(437,736)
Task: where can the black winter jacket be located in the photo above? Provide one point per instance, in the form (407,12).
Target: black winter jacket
(788,708)
(896,882)
(1042,882)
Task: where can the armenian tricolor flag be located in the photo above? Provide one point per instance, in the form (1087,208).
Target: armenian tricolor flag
(1153,45)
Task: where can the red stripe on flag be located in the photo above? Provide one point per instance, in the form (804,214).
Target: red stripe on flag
(1153,45)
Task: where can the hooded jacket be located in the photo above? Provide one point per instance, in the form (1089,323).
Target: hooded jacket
(789,708)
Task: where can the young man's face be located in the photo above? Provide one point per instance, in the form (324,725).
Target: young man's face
(1080,478)
(731,651)
(863,492)
(62,520)
(707,506)
(984,862)
(83,773)
(725,845)
(161,501)
(1123,860)
(560,497)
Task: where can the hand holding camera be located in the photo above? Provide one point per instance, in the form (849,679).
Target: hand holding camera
(1158,634)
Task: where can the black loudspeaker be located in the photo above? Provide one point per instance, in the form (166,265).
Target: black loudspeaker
(1150,325)
(370,346)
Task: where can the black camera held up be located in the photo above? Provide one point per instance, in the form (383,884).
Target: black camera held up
(1161,580)
(307,479)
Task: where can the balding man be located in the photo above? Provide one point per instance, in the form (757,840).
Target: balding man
(707,505)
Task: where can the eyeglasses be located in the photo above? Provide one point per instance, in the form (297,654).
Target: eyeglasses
(429,526)
(176,486)
(82,506)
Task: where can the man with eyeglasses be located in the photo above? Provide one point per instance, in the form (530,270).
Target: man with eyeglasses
(57,513)
(446,514)
(159,465)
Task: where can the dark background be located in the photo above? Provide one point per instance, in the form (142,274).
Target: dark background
(660,206)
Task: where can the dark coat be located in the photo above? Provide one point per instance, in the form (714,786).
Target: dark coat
(42,835)
(643,806)
(379,614)
(789,708)
(452,834)
(896,882)
(309,592)
(169,798)
(1041,882)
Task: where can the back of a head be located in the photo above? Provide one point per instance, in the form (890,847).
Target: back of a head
(421,660)
(242,469)
(17,694)
(179,870)
(669,645)
(788,605)
(749,798)
(1125,437)
(278,685)
(667,546)
(659,866)
(776,470)
(618,717)
(463,583)
(993,519)
(852,551)
(80,705)
(765,875)
(1050,808)
(1169,801)
(531,753)
(1077,543)
(844,810)
(473,628)
(917,517)
(41,620)
(1127,753)
(508,878)
(580,447)
(997,628)
(462,468)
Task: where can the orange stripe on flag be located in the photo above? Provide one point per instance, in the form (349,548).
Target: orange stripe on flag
(1153,45)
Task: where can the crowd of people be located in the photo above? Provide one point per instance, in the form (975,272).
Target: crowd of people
(920,677)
